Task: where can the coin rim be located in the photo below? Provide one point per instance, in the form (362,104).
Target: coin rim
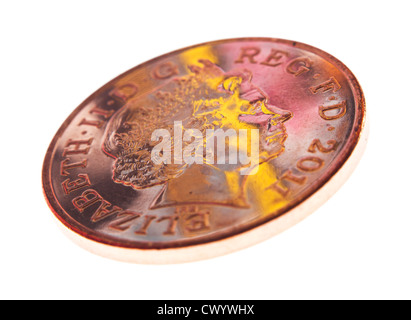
(350,146)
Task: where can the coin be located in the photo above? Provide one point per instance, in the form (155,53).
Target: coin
(205,150)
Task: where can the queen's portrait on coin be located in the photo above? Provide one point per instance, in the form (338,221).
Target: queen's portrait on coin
(208,98)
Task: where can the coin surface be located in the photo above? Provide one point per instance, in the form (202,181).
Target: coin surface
(205,150)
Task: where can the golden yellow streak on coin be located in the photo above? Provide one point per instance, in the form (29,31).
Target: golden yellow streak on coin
(267,199)
(190,57)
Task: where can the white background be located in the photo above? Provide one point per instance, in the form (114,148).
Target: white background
(54,54)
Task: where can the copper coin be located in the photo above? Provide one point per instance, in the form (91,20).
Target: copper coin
(205,150)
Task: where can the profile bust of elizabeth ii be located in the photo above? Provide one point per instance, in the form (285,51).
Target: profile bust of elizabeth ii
(206,98)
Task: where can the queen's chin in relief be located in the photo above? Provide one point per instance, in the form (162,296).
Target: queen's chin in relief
(207,98)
